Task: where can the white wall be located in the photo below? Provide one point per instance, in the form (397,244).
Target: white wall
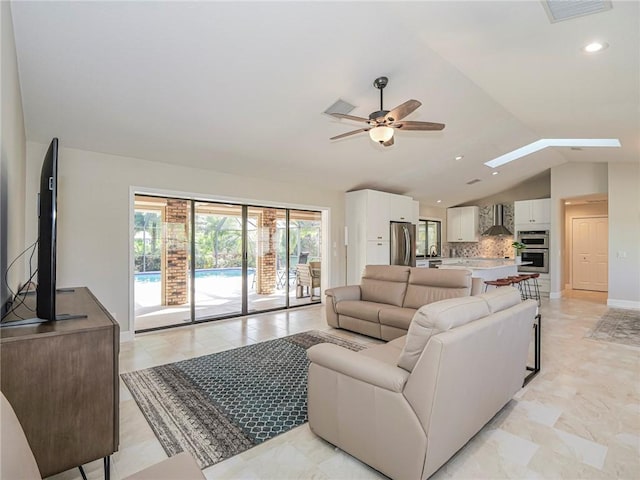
(621,182)
(567,181)
(624,235)
(95,205)
(12,160)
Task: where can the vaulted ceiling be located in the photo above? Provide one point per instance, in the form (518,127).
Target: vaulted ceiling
(240,87)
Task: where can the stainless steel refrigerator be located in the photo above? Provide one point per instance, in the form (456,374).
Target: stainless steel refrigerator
(403,244)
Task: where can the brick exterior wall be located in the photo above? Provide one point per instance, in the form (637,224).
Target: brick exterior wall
(266,263)
(176,266)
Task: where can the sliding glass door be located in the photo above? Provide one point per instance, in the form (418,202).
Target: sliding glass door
(266,234)
(199,260)
(305,247)
(217,235)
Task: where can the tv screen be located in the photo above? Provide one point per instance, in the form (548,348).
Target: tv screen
(46,290)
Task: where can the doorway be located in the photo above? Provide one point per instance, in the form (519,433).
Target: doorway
(590,253)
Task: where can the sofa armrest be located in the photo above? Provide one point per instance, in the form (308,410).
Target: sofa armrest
(366,369)
(338,294)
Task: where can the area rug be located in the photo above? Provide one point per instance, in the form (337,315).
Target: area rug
(619,326)
(219,405)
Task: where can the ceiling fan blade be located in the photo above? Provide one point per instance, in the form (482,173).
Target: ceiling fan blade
(350,117)
(419,126)
(402,111)
(388,143)
(353,132)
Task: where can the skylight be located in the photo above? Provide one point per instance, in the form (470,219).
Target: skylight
(551,142)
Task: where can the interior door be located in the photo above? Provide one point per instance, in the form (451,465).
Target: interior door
(590,257)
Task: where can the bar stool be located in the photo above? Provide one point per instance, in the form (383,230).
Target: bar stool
(517,281)
(501,282)
(535,294)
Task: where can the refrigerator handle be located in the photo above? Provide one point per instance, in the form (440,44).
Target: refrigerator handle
(407,246)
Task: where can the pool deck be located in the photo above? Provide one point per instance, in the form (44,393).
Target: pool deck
(216,296)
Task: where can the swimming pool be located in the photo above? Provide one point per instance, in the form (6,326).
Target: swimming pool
(153,277)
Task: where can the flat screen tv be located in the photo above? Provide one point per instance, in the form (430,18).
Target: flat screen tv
(46,289)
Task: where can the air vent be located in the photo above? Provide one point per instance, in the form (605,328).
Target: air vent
(339,107)
(475,180)
(560,10)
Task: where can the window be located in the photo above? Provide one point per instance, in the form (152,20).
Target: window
(428,241)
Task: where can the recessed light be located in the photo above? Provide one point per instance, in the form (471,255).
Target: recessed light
(495,173)
(567,203)
(438,201)
(459,157)
(595,47)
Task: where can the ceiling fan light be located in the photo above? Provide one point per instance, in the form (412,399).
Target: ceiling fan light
(381,134)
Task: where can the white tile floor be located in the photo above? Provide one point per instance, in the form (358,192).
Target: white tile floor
(579,418)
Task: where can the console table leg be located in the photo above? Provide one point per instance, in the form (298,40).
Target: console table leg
(107,468)
(537,336)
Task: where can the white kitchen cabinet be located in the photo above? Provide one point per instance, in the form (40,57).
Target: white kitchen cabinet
(368,214)
(400,208)
(377,213)
(532,213)
(377,253)
(462,224)
(415,218)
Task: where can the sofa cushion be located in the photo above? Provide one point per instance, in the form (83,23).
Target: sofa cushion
(501,298)
(389,273)
(384,284)
(428,285)
(360,309)
(396,316)
(435,318)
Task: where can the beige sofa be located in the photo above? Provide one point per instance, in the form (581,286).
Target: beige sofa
(17,460)
(388,296)
(407,406)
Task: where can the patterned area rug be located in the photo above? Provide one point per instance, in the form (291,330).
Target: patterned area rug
(618,326)
(219,405)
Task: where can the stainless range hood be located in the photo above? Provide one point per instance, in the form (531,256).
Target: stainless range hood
(498,229)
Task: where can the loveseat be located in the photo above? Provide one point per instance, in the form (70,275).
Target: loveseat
(388,296)
(405,407)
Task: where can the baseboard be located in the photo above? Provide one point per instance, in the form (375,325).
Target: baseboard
(612,302)
(127,336)
(555,295)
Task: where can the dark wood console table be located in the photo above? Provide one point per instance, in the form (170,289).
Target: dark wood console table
(62,380)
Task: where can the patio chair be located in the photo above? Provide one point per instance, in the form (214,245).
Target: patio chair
(307,278)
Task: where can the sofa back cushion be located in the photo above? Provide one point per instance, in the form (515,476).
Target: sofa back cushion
(384,284)
(438,317)
(501,298)
(428,285)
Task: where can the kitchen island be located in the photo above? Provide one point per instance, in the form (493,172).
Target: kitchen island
(483,269)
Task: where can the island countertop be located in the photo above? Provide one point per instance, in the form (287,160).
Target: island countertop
(483,269)
(480,263)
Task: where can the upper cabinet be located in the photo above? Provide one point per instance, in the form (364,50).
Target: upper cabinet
(532,214)
(401,208)
(376,213)
(462,224)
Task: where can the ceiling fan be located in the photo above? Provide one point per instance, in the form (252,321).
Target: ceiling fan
(383,122)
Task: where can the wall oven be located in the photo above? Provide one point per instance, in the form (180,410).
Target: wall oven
(537,251)
(538,258)
(534,238)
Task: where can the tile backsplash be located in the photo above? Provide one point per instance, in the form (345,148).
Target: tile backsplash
(487,247)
